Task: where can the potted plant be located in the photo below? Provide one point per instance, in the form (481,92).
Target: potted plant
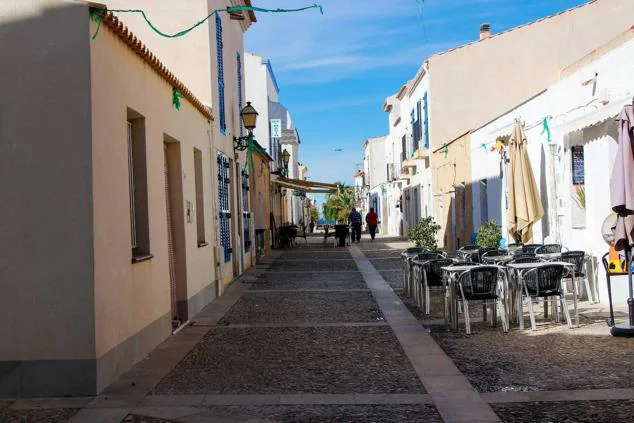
(424,233)
(489,235)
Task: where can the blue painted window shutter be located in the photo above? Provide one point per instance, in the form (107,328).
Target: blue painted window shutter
(221,76)
(224,208)
(426,120)
(239,68)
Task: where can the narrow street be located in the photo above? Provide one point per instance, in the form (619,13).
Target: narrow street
(313,334)
(321,334)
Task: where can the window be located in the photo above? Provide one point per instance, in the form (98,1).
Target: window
(200,202)
(577,187)
(426,120)
(221,76)
(484,201)
(246,215)
(404,149)
(415,137)
(416,126)
(137,185)
(239,74)
(224,213)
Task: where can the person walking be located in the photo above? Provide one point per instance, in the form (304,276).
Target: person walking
(372,220)
(355,221)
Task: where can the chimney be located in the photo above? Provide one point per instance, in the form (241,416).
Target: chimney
(485,31)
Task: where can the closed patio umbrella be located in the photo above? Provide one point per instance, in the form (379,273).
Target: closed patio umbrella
(622,199)
(525,205)
(622,181)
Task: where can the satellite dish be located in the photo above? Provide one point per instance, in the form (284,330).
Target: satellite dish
(606,228)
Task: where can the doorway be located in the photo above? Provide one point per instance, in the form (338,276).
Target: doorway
(175,232)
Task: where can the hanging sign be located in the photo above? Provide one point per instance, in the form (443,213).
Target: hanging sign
(578,173)
(276,128)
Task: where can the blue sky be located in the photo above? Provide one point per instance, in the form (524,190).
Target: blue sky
(335,70)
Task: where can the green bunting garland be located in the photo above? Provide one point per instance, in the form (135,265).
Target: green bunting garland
(445,149)
(259,9)
(251,149)
(95,17)
(546,128)
(176,97)
(96,12)
(484,146)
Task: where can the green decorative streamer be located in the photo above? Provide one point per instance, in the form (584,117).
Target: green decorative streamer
(197,24)
(546,128)
(251,149)
(95,17)
(176,97)
(484,147)
(445,149)
(259,9)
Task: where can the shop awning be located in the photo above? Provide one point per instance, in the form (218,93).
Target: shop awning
(590,118)
(306,186)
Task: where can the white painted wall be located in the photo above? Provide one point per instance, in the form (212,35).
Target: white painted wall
(615,67)
(376,163)
(485,165)
(579,118)
(259,89)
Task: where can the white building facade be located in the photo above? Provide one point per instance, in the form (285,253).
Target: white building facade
(572,159)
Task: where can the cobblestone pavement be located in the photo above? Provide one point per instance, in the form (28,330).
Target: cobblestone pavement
(323,334)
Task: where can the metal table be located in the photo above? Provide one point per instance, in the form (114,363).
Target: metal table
(450,275)
(519,269)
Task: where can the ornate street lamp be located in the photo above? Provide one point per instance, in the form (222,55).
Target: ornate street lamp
(249,117)
(286,157)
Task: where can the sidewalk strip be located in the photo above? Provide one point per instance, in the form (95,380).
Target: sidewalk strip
(452,394)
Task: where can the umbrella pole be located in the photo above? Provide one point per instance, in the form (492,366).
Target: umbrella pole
(627,329)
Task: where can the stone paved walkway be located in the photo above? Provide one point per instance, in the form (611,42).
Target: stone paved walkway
(317,334)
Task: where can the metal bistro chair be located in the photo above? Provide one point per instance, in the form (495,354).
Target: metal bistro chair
(342,236)
(406,266)
(431,279)
(492,253)
(464,252)
(578,258)
(482,283)
(514,247)
(549,249)
(416,275)
(525,258)
(530,248)
(544,282)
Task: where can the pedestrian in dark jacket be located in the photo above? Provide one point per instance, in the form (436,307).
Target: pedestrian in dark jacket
(355,221)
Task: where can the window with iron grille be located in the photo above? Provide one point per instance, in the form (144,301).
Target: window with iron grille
(239,70)
(221,76)
(224,209)
(246,215)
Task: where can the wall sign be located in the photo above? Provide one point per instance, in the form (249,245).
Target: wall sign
(276,128)
(578,173)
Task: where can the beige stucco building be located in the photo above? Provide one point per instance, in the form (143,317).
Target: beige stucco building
(473,83)
(196,58)
(451,179)
(109,201)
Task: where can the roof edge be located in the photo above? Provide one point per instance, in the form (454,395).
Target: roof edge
(122,32)
(493,36)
